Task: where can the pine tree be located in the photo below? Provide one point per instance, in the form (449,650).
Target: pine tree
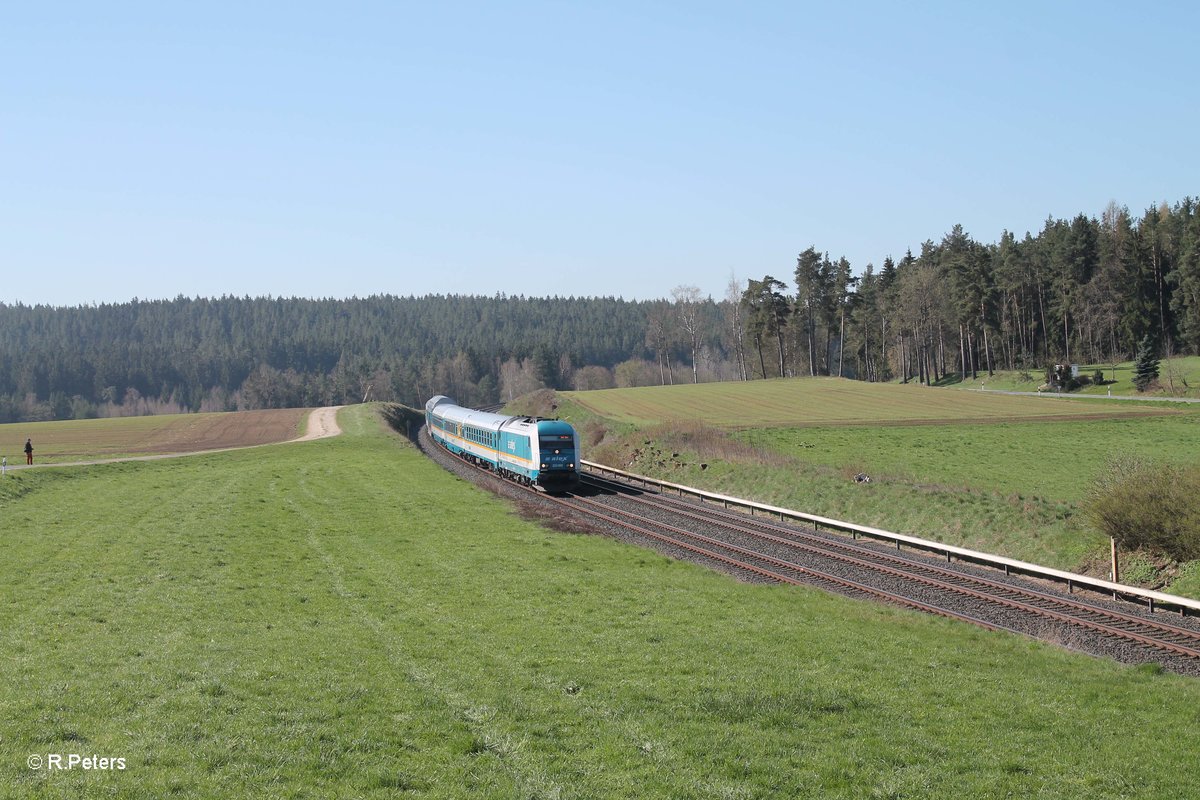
(1145,371)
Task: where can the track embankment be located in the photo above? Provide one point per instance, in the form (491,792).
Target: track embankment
(753,549)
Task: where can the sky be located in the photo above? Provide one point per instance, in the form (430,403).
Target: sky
(154,150)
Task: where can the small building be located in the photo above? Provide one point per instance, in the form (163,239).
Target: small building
(1062,377)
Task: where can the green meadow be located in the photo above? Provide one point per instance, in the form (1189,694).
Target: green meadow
(829,401)
(342,618)
(1055,461)
(999,473)
(1177,377)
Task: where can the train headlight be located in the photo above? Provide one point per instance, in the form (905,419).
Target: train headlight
(571,465)
(543,466)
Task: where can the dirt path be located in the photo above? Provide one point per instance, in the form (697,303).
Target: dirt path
(322,424)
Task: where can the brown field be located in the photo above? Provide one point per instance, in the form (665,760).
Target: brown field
(80,440)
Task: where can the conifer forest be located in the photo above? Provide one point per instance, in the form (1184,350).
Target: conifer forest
(1085,290)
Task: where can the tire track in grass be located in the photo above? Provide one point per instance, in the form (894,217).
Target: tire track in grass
(533,780)
(663,753)
(482,719)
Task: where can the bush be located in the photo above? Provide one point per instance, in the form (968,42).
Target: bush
(1098,377)
(1146,505)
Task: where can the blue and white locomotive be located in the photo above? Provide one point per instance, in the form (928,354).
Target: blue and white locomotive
(536,452)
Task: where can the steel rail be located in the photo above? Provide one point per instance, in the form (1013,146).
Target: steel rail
(936,583)
(813,575)
(818,576)
(819,545)
(1186,606)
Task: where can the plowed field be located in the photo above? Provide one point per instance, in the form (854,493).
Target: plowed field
(78,440)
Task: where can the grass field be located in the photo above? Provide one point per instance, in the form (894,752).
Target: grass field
(831,401)
(993,472)
(1178,377)
(342,618)
(86,439)
(1056,461)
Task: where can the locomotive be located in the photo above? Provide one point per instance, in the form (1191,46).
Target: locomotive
(543,453)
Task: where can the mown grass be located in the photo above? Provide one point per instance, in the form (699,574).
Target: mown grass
(830,401)
(341,618)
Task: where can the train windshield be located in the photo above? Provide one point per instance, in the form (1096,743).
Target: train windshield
(550,444)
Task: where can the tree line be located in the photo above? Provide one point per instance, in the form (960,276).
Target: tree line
(241,353)
(1083,290)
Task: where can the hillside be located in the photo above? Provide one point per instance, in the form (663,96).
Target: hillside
(993,472)
(308,620)
(831,401)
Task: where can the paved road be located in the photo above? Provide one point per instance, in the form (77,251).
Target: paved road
(322,424)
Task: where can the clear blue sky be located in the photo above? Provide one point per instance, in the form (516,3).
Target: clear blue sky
(603,148)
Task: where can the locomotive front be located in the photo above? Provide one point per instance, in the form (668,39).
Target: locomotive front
(557,455)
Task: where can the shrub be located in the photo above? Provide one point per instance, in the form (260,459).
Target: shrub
(1146,505)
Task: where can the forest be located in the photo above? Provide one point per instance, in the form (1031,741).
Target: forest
(1084,290)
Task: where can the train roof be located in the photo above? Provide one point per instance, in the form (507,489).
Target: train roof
(446,408)
(553,426)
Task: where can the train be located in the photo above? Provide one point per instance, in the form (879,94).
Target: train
(536,452)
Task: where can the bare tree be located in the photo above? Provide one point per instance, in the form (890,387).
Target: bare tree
(658,339)
(518,378)
(735,320)
(687,306)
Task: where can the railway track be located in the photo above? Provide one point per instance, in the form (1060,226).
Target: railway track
(765,550)
(809,552)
